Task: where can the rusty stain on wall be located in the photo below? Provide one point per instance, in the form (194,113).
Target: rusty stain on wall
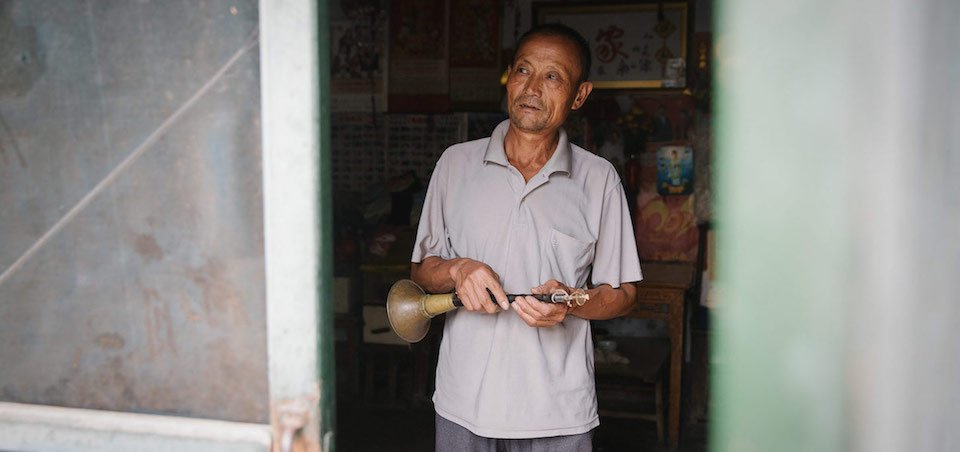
(186,308)
(160,337)
(220,298)
(75,360)
(147,247)
(110,341)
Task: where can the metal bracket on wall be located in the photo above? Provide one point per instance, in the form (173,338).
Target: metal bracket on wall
(291,418)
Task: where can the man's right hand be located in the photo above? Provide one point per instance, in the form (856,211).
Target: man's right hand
(472,280)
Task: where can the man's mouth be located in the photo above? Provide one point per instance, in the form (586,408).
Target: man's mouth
(530,105)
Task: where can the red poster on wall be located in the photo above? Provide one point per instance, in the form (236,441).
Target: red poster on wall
(418,75)
(475,55)
(666,226)
(665,221)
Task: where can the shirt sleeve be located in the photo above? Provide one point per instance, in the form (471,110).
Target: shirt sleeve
(432,230)
(616,260)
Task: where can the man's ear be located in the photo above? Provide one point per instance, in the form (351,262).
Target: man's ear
(582,92)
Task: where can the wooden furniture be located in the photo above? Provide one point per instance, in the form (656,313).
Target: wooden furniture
(661,295)
(394,373)
(634,390)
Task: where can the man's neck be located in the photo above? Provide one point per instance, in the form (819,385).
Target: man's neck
(528,151)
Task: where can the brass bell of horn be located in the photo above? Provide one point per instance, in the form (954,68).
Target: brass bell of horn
(410,309)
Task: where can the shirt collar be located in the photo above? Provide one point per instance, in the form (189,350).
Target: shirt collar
(560,161)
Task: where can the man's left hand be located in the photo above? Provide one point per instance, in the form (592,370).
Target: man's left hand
(542,314)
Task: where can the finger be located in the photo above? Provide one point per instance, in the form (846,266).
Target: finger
(483,299)
(549,312)
(499,295)
(551,286)
(489,283)
(463,295)
(467,299)
(558,312)
(542,288)
(521,305)
(491,303)
(539,308)
(545,314)
(466,286)
(468,295)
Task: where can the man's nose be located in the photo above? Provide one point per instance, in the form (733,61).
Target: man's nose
(532,86)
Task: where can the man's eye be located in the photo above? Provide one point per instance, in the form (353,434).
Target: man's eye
(522,70)
(553,76)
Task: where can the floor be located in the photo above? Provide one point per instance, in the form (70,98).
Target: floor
(365,423)
(361,428)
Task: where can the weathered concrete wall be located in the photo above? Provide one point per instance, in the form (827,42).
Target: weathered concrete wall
(131,255)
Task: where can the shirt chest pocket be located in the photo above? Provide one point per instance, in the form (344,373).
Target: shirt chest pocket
(567,259)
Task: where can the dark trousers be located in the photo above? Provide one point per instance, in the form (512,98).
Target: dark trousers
(451,437)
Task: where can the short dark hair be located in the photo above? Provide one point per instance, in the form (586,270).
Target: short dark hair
(562,31)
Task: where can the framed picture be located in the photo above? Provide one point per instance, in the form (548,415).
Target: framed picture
(633,45)
(358,64)
(675,170)
(418,72)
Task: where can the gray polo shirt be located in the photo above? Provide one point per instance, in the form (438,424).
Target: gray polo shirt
(497,376)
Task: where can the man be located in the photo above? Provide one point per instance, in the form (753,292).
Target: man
(525,211)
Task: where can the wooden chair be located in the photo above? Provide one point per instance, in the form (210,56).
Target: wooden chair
(635,390)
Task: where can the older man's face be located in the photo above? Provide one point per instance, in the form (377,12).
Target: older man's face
(543,85)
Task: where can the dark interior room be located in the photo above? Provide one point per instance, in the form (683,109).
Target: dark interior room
(408,83)
(418,225)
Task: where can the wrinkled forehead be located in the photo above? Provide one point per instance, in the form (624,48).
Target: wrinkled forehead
(553,48)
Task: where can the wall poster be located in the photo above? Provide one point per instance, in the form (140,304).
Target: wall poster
(419,76)
(358,80)
(475,55)
(634,45)
(675,170)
